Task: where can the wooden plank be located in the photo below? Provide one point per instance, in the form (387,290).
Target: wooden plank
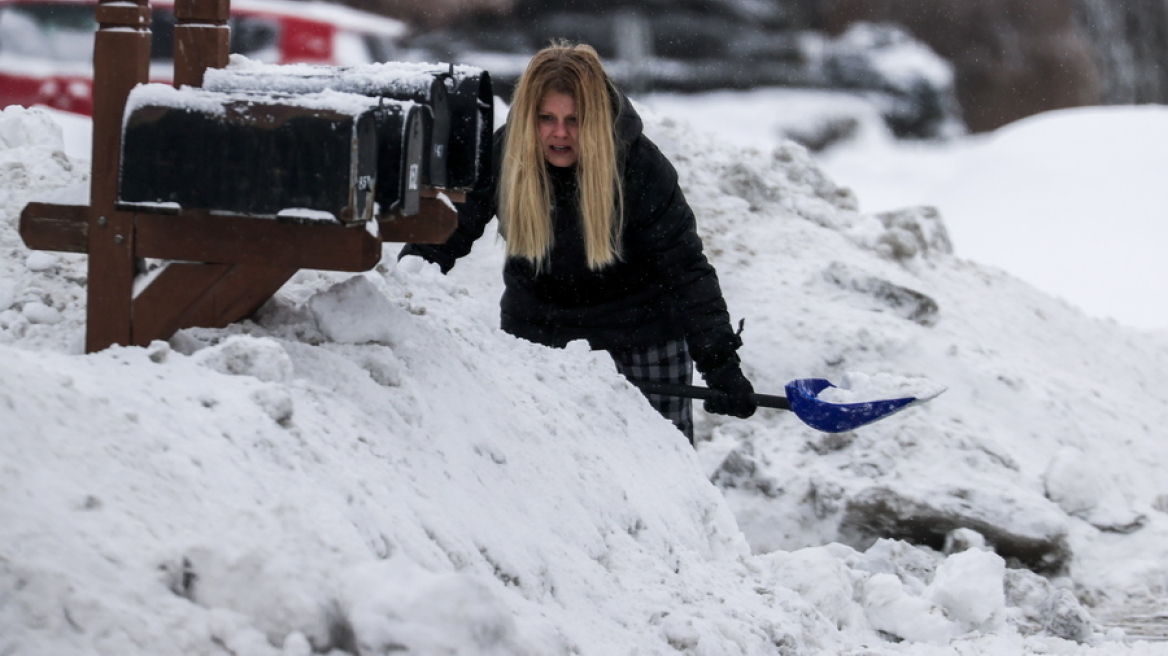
(110,281)
(243,290)
(432,225)
(207,10)
(197,48)
(187,294)
(201,39)
(456,197)
(169,302)
(121,57)
(51,227)
(191,294)
(202,237)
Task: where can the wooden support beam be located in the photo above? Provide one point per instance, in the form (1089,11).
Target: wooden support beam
(432,225)
(121,60)
(223,239)
(457,197)
(202,237)
(201,39)
(187,294)
(49,227)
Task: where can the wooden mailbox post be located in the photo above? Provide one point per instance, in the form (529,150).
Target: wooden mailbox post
(221,268)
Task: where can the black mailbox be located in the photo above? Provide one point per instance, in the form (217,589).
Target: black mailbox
(199,150)
(301,158)
(402,129)
(458,99)
(472,126)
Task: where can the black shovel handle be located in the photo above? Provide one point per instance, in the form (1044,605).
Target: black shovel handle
(705,393)
(808,407)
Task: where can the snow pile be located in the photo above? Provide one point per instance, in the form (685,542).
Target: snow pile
(860,388)
(896,55)
(825,295)
(371,466)
(1069,201)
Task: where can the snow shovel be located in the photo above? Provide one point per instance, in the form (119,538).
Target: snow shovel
(802,400)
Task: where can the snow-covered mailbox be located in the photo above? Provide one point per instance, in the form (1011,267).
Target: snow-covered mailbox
(457,102)
(298,142)
(299,158)
(243,174)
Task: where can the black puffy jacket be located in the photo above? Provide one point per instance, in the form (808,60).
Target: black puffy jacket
(663,287)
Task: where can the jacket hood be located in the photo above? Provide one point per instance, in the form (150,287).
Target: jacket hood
(628,123)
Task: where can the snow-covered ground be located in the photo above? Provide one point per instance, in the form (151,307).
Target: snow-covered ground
(1067,200)
(371,466)
(1070,201)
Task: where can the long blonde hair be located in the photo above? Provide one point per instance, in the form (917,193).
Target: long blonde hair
(525,190)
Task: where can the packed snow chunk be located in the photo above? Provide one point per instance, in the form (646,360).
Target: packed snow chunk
(40,261)
(891,609)
(355,312)
(396,606)
(260,588)
(964,539)
(1065,617)
(7,295)
(37,312)
(914,566)
(242,355)
(383,366)
(903,235)
(276,402)
(858,387)
(970,587)
(20,127)
(1073,481)
(821,576)
(680,633)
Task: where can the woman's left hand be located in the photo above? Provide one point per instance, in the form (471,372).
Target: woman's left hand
(738,393)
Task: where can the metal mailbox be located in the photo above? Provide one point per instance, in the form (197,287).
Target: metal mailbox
(472,126)
(458,100)
(298,158)
(402,129)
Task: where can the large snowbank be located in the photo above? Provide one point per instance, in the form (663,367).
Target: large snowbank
(372,466)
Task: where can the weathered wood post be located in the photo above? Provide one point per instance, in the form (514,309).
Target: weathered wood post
(201,39)
(121,60)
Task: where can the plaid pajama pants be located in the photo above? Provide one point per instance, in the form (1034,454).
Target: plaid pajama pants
(664,363)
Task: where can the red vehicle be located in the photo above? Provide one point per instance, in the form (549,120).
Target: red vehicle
(46,46)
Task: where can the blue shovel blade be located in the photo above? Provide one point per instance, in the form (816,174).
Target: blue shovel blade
(837,417)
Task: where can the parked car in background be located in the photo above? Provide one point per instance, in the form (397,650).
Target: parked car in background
(46,46)
(696,46)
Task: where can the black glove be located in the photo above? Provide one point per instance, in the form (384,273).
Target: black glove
(737,401)
(428,252)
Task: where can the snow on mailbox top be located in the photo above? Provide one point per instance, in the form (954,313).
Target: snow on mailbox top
(214,103)
(387,78)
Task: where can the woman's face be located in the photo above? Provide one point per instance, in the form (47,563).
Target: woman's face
(558,129)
